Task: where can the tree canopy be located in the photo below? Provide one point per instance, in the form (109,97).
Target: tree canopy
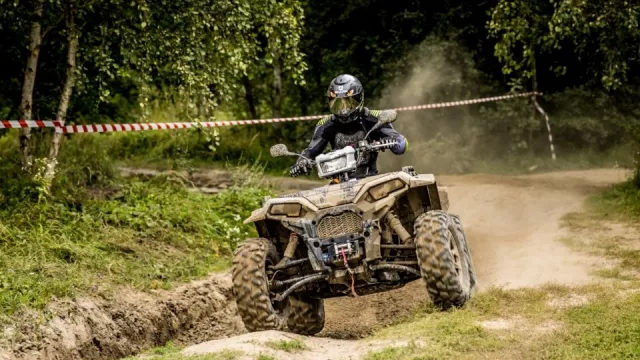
(237,59)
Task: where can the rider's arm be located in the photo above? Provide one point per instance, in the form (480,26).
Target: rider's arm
(387,131)
(318,142)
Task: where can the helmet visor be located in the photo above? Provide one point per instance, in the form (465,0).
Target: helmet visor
(343,106)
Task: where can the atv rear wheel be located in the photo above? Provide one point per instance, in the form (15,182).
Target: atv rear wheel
(306,315)
(251,286)
(444,259)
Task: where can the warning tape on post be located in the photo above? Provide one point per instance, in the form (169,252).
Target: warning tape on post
(102,128)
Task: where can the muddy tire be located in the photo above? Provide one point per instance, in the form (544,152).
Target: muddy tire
(467,254)
(251,289)
(306,315)
(444,259)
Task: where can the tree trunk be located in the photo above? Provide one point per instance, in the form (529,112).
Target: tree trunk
(67,90)
(26,104)
(249,96)
(534,88)
(277,83)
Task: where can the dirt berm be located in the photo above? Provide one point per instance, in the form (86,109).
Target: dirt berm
(92,328)
(512,224)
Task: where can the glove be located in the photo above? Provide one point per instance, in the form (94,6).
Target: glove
(303,166)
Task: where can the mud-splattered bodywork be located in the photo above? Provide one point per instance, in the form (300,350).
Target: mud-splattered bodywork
(344,230)
(352,192)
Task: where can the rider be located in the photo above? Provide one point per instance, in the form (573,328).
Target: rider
(348,124)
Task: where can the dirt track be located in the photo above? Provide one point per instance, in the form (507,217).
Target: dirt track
(512,224)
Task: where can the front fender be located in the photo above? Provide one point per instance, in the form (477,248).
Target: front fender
(256,215)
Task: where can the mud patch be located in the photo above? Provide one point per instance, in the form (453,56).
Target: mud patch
(355,318)
(90,328)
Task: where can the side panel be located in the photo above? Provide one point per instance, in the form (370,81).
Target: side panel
(434,197)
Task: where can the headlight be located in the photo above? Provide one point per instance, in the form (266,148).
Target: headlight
(383,190)
(333,165)
(290,209)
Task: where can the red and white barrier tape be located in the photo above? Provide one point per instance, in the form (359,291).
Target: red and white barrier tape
(467,102)
(546,119)
(176,125)
(100,128)
(21,124)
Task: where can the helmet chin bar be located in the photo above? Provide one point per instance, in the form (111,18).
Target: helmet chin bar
(346,118)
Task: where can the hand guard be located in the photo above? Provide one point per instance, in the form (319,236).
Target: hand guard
(303,166)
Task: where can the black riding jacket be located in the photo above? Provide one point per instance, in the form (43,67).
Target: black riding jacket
(331,131)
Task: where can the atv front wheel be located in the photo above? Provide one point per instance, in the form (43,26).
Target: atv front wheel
(251,287)
(306,315)
(444,259)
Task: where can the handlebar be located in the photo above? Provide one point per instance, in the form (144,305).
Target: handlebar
(361,148)
(380,146)
(365,146)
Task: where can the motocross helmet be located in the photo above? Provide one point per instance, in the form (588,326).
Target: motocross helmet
(345,96)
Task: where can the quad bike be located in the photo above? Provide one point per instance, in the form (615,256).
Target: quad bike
(349,238)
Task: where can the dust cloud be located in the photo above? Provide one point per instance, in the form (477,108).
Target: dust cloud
(440,140)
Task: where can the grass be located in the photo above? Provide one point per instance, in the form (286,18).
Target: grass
(620,202)
(265,357)
(147,235)
(172,352)
(607,328)
(167,349)
(290,346)
(532,327)
(544,323)
(609,228)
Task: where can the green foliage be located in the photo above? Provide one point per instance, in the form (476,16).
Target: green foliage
(604,329)
(87,162)
(521,27)
(196,51)
(265,357)
(622,199)
(176,355)
(290,346)
(168,348)
(594,31)
(597,29)
(143,234)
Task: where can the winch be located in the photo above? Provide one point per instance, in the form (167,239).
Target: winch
(349,247)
